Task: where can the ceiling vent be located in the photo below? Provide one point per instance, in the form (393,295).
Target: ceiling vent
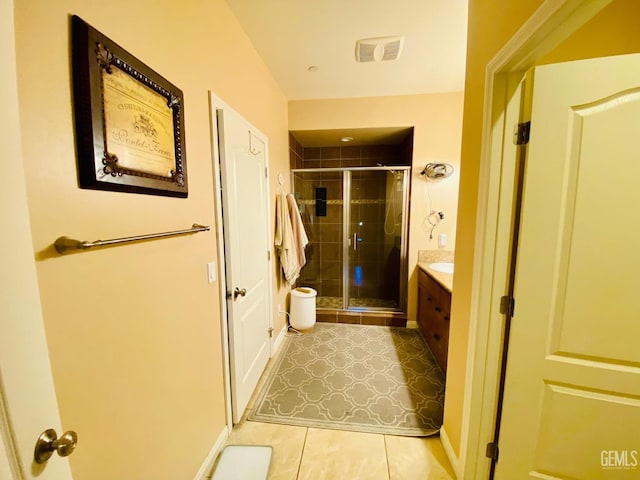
(379,48)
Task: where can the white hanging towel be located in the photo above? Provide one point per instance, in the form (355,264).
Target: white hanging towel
(299,234)
(285,241)
(290,237)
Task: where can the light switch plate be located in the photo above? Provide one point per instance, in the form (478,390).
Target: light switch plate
(211,271)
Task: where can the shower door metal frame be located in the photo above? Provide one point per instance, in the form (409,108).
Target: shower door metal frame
(346,226)
(346,236)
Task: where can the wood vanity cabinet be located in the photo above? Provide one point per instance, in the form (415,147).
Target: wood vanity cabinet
(434,310)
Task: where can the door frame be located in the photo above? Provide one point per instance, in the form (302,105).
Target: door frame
(216,103)
(553,22)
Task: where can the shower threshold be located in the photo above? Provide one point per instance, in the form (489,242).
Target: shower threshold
(385,317)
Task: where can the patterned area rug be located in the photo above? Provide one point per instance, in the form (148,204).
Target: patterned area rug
(355,377)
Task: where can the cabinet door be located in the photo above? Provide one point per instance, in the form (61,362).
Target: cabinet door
(434,305)
(424,304)
(421,309)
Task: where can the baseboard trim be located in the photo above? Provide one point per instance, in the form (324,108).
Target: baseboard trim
(279,339)
(448,449)
(412,324)
(207,465)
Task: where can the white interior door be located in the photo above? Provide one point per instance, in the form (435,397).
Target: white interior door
(243,157)
(27,397)
(572,395)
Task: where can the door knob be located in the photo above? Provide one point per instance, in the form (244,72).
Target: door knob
(239,291)
(48,442)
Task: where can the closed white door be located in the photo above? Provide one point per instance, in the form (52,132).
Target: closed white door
(572,394)
(243,154)
(27,398)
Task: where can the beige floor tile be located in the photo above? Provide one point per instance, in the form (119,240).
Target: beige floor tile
(417,458)
(287,442)
(338,455)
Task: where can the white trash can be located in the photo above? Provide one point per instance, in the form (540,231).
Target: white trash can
(303,308)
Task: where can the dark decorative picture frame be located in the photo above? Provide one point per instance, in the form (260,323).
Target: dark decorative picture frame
(129,120)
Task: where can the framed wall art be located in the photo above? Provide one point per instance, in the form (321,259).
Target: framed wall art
(129,120)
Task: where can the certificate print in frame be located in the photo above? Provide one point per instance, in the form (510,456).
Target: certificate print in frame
(129,120)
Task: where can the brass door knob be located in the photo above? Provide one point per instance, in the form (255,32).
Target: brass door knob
(48,442)
(239,291)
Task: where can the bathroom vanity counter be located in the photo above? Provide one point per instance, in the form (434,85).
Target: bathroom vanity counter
(427,257)
(444,279)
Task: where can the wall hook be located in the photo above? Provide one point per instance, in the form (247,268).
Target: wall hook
(253,151)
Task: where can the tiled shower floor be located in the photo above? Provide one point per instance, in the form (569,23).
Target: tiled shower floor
(336,302)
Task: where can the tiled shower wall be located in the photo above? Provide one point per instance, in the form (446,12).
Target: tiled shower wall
(323,270)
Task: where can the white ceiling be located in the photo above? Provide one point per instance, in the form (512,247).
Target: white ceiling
(292,35)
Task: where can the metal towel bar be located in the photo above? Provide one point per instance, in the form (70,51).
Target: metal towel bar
(66,244)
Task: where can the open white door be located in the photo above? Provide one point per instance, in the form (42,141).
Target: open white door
(27,398)
(243,159)
(572,394)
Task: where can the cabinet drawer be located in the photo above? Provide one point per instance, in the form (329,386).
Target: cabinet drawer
(434,290)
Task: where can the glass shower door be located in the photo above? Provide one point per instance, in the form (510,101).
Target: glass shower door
(374,238)
(356,223)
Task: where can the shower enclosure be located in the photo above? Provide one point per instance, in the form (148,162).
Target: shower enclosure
(356,221)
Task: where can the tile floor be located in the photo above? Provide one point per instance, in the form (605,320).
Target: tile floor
(301,453)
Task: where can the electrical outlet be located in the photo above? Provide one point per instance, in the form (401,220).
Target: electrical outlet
(442,240)
(211,271)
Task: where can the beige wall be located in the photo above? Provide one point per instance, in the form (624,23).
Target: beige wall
(613,31)
(437,122)
(134,331)
(491,24)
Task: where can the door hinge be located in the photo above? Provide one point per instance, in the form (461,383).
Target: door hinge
(492,451)
(268,254)
(507,305)
(270,332)
(266,174)
(521,133)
